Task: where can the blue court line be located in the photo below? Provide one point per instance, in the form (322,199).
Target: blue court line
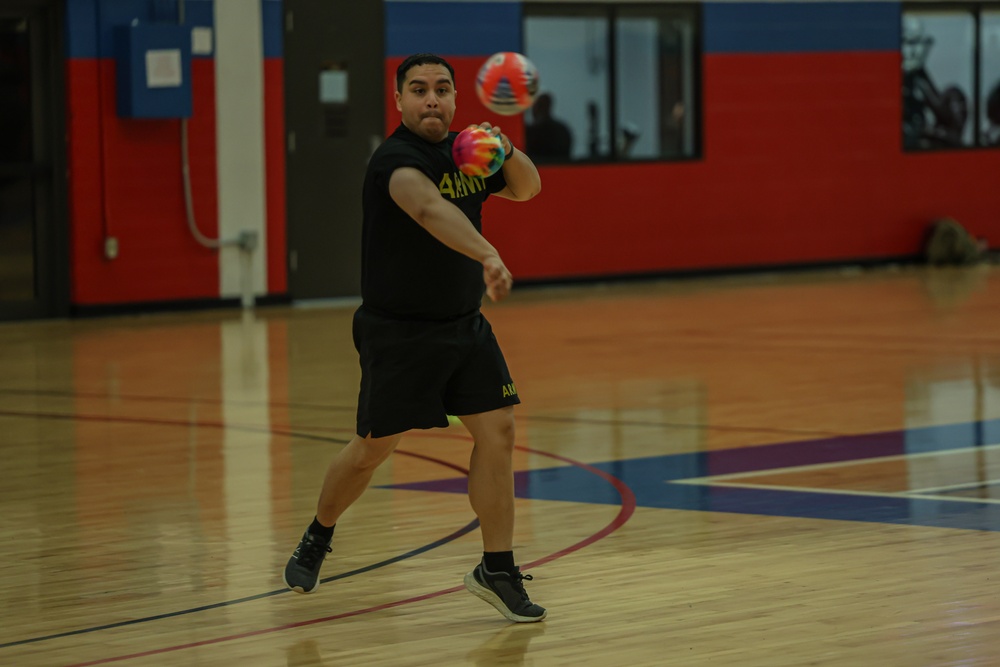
(655,480)
(468,528)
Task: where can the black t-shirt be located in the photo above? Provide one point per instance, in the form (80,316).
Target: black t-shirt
(405,272)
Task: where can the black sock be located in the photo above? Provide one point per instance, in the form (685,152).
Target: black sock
(499,561)
(316,528)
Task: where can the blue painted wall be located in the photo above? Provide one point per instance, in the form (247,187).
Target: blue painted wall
(452,28)
(90,24)
(799,27)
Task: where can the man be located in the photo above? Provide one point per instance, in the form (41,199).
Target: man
(547,139)
(426,350)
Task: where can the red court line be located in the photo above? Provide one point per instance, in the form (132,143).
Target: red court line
(625,512)
(343,408)
(264,631)
(274,429)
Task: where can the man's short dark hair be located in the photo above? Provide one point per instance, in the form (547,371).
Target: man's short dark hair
(420,59)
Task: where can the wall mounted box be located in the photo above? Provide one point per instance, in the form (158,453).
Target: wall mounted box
(153,62)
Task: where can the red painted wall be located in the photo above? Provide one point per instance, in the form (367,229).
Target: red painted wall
(802,163)
(125,181)
(274,165)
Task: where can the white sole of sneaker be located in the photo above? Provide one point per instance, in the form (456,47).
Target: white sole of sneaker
(487,595)
(299,589)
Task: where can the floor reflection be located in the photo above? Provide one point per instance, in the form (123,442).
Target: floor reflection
(304,654)
(507,647)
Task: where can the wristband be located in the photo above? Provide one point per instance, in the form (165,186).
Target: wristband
(505,153)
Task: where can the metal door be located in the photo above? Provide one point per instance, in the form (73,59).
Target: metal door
(334,110)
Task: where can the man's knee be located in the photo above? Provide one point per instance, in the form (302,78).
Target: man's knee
(371,452)
(497,430)
(505,427)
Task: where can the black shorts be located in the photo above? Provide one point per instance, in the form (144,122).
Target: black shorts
(414,374)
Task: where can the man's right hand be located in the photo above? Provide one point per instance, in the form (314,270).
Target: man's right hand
(497,278)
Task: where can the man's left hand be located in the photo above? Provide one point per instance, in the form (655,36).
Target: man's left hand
(495,131)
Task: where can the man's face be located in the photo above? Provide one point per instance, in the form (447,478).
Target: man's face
(427,101)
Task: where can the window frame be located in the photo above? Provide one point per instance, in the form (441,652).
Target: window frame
(611,11)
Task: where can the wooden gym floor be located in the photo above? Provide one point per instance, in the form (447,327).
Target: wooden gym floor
(787,469)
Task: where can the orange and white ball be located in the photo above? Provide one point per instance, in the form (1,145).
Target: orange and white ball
(507,83)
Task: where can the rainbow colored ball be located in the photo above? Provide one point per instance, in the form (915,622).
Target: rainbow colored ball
(507,83)
(477,152)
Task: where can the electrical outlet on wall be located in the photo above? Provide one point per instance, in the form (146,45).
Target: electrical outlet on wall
(111,247)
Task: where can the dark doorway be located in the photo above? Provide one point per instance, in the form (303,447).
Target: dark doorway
(334,110)
(34,277)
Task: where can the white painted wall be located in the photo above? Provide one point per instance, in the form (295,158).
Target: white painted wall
(239,103)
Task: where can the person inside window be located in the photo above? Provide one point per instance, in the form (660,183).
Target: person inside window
(547,139)
(991,136)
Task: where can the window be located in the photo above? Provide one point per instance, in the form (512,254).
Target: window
(951,76)
(617,82)
(989,68)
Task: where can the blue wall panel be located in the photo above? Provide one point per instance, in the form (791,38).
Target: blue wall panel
(788,27)
(452,28)
(90,23)
(81,28)
(273,27)
(199,12)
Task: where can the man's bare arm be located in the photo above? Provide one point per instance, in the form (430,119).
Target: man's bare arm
(419,197)
(523,181)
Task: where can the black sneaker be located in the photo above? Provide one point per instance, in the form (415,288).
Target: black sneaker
(505,592)
(302,570)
